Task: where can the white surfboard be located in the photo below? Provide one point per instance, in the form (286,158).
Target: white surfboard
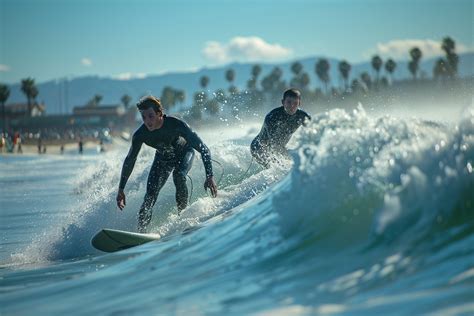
(111,240)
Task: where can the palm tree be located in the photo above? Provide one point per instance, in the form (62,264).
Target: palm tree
(256,70)
(365,77)
(180,96)
(390,66)
(345,69)
(252,82)
(230,76)
(28,88)
(377,64)
(95,100)
(453,60)
(201,97)
(304,81)
(300,79)
(296,68)
(440,70)
(322,71)
(126,99)
(195,112)
(34,94)
(4,94)
(272,85)
(449,47)
(204,81)
(415,54)
(198,104)
(355,86)
(413,68)
(212,106)
(168,98)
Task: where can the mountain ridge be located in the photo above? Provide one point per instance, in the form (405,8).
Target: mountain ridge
(55,94)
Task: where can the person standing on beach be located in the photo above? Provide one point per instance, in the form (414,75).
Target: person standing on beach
(18,141)
(40,145)
(175,143)
(2,143)
(81,146)
(277,129)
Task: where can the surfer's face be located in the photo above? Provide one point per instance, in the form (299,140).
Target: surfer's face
(150,118)
(291,104)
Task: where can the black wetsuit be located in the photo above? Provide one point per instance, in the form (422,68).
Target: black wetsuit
(174,142)
(275,134)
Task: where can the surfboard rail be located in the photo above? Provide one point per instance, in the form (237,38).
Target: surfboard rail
(111,240)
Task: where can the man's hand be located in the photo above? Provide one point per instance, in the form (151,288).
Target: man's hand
(211,184)
(121,199)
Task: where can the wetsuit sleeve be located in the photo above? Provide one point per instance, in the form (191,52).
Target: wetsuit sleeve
(265,133)
(129,162)
(306,119)
(193,139)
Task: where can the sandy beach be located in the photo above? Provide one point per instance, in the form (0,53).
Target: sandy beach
(55,148)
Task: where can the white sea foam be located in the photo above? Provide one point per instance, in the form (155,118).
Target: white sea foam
(383,175)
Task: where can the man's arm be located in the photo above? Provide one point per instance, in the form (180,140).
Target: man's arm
(265,134)
(306,118)
(130,160)
(193,139)
(127,169)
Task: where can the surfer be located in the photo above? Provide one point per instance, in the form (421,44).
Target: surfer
(277,129)
(174,142)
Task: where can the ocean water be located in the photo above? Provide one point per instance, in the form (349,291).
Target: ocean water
(374,215)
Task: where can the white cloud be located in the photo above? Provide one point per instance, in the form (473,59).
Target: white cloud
(86,62)
(4,68)
(400,49)
(129,75)
(241,48)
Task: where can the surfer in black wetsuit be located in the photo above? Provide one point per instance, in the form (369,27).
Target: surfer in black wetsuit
(174,142)
(277,129)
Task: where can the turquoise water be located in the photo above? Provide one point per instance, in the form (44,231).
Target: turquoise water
(373,216)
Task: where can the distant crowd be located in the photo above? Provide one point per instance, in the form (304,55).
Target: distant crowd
(14,142)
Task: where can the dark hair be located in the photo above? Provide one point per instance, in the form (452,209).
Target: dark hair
(292,93)
(150,102)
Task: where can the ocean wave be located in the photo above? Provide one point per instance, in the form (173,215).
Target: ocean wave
(358,178)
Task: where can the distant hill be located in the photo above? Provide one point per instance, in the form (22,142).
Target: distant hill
(80,90)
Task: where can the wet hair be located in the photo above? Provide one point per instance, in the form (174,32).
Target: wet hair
(292,93)
(150,102)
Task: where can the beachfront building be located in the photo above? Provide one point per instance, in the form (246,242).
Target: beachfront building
(20,110)
(104,115)
(87,122)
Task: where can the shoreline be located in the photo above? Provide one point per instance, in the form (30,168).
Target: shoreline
(54,148)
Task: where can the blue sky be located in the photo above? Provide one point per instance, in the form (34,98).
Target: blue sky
(50,39)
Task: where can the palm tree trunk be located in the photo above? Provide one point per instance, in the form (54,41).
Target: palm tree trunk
(28,113)
(4,118)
